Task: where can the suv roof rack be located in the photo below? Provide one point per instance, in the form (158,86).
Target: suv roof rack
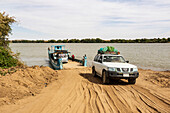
(108,52)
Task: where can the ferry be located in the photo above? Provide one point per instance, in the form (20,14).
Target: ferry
(57,56)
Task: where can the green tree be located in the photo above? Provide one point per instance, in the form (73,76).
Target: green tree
(52,41)
(168,39)
(65,41)
(5,28)
(59,41)
(98,40)
(6,59)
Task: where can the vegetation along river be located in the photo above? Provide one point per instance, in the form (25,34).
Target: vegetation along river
(155,56)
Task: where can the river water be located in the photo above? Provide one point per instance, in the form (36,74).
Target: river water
(155,56)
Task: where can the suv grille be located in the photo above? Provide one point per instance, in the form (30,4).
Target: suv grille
(125,69)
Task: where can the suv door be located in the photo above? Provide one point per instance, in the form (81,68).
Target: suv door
(97,63)
(100,65)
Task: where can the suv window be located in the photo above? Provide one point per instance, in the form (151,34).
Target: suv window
(100,59)
(95,58)
(113,59)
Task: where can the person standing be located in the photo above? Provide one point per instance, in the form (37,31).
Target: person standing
(72,57)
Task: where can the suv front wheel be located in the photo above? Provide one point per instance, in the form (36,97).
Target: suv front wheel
(105,79)
(94,72)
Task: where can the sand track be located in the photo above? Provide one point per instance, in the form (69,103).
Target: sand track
(77,91)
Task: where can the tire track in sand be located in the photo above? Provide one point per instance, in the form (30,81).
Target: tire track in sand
(79,92)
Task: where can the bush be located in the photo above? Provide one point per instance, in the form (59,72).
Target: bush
(7,59)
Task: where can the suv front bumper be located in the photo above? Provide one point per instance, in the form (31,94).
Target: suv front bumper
(114,74)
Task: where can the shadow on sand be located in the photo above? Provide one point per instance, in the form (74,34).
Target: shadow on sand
(98,80)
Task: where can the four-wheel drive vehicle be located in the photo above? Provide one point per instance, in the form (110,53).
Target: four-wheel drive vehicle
(110,66)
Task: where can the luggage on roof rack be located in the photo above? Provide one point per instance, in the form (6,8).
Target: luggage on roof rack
(108,50)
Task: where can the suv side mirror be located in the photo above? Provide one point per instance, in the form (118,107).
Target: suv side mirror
(127,61)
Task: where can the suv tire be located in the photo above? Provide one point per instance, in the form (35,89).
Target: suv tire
(105,79)
(132,81)
(94,72)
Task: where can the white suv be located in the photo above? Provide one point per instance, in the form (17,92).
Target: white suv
(110,66)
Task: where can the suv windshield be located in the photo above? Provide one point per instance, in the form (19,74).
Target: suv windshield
(113,59)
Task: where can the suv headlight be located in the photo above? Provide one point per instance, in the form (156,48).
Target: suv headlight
(135,69)
(111,69)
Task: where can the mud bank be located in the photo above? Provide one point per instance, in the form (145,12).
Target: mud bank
(22,82)
(76,90)
(159,78)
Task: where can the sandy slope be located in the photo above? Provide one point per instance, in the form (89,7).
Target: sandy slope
(77,91)
(27,81)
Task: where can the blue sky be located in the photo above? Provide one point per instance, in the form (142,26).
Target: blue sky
(106,19)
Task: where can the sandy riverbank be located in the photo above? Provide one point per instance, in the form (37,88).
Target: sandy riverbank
(75,90)
(23,82)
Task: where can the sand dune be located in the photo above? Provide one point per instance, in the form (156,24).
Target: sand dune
(75,90)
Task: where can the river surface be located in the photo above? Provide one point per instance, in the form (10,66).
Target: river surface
(155,56)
